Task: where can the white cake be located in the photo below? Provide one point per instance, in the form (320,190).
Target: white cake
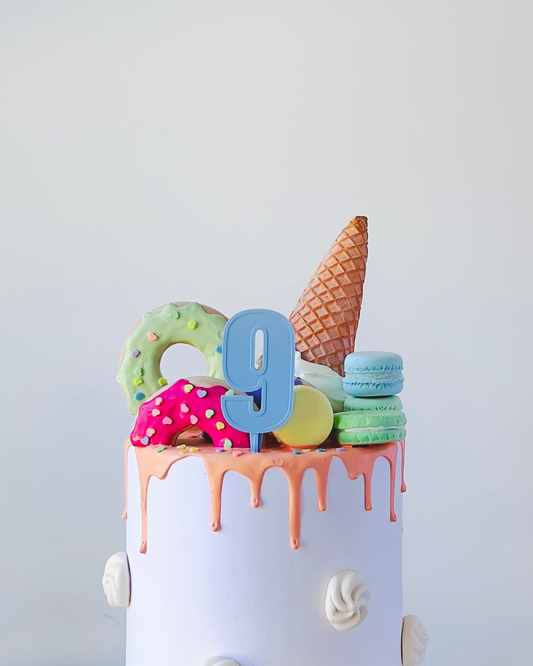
(289,556)
(243,592)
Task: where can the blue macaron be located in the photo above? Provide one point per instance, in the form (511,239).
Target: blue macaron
(369,374)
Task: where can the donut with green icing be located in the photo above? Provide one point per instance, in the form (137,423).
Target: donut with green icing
(187,323)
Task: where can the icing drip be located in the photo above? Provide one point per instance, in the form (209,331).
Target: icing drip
(357,461)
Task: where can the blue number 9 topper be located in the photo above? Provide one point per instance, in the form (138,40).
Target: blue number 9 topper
(275,377)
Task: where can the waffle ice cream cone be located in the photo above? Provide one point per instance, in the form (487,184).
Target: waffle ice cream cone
(326,316)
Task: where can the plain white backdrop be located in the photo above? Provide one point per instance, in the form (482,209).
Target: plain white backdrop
(212,151)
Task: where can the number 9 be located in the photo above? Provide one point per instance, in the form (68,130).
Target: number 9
(275,378)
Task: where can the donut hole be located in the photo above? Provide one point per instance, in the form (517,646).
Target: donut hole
(181,361)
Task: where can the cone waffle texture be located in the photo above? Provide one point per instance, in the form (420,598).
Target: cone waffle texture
(326,316)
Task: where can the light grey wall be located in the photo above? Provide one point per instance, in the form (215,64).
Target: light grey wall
(211,151)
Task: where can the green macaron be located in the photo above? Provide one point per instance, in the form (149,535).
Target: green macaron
(369,436)
(370,421)
(385,419)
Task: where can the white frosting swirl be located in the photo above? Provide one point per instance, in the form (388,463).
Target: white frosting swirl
(414,641)
(220,661)
(347,600)
(116,580)
(324,379)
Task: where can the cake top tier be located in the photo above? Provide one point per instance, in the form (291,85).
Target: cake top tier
(273,387)
(248,392)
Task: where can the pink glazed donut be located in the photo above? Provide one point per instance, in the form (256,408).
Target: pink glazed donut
(187,403)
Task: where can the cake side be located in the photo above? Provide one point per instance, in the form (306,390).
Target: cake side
(242,591)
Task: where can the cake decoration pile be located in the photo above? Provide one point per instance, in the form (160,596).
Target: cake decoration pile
(295,393)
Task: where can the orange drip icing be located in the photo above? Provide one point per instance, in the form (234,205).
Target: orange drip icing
(358,461)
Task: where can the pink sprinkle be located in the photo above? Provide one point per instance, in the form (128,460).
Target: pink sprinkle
(201,393)
(152,336)
(167,420)
(194,419)
(237,453)
(156,412)
(150,432)
(158,401)
(184,408)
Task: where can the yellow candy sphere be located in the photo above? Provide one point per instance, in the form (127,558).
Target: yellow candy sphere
(311,420)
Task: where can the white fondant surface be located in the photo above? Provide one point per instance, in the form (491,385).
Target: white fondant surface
(243,592)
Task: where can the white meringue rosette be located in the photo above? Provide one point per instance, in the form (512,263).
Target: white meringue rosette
(414,641)
(347,600)
(116,580)
(220,661)
(323,378)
